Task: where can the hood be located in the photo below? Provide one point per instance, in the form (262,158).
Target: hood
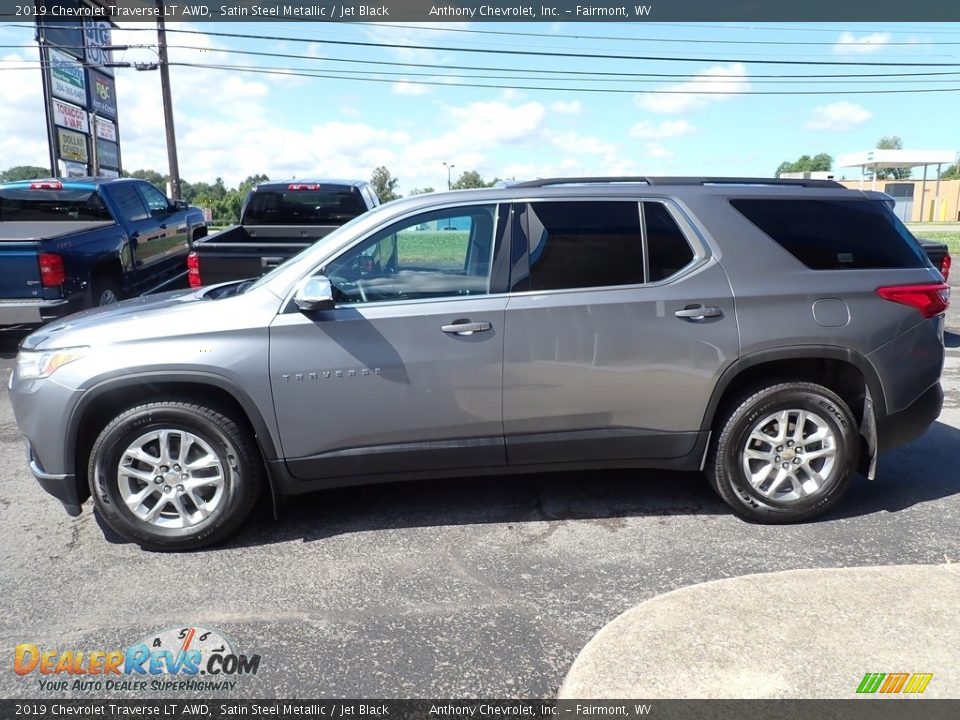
(169,314)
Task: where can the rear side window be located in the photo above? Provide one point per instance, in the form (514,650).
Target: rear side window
(128,202)
(583,244)
(305,204)
(667,247)
(835,234)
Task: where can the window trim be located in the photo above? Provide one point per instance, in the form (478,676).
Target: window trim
(701,250)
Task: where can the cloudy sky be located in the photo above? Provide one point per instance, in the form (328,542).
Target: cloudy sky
(384,102)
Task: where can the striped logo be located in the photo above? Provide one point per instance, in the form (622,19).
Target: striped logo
(890,683)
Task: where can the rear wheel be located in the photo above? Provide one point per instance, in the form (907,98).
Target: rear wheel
(174,476)
(786,453)
(104,291)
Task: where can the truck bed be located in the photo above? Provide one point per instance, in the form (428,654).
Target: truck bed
(248,251)
(20,231)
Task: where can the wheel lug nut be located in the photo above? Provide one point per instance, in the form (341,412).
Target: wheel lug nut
(786,465)
(777,459)
(167,488)
(184,476)
(790,443)
(158,480)
(180,488)
(176,468)
(779,448)
(164,468)
(796,461)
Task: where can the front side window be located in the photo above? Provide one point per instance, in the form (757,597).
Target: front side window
(154,199)
(444,253)
(582,244)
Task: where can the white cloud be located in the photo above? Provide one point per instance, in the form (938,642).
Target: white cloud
(715,84)
(662,130)
(565,107)
(408,88)
(656,150)
(850,44)
(838,116)
(574,143)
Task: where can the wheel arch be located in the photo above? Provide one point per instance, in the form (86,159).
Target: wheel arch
(845,371)
(103,402)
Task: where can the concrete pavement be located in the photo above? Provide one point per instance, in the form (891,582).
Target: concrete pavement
(794,634)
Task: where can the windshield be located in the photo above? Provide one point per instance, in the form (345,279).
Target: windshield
(303,204)
(46,206)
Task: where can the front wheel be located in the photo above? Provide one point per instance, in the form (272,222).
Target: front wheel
(174,475)
(786,453)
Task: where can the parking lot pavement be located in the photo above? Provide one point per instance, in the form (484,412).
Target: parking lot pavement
(459,588)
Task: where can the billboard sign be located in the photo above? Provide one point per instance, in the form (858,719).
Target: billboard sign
(108,154)
(66,33)
(106,130)
(73,145)
(70,116)
(103,94)
(67,78)
(96,36)
(68,168)
(104,172)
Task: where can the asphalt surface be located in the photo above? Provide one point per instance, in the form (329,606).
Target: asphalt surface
(443,589)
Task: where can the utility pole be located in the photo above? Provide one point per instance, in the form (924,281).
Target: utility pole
(167,105)
(449,168)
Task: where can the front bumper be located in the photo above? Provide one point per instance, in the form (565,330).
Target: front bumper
(62,486)
(910,423)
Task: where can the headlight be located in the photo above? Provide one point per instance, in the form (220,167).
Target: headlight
(35,364)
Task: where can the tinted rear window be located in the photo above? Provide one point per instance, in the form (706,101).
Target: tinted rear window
(329,203)
(835,234)
(51,206)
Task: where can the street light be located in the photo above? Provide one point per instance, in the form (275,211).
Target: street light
(449,168)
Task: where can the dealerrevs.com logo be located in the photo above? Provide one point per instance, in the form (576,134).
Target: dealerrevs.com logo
(172,659)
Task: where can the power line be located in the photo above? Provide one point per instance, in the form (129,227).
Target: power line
(501,86)
(544,53)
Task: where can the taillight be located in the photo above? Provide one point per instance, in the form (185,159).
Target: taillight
(930,300)
(945,266)
(52,272)
(193,270)
(51,184)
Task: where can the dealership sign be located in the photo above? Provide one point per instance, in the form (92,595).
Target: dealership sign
(106,130)
(103,94)
(96,36)
(67,78)
(73,146)
(70,116)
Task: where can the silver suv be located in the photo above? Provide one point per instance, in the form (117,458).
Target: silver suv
(777,335)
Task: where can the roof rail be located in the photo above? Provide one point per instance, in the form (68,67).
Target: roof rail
(798,182)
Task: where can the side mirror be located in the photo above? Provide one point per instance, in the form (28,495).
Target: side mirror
(314,293)
(180,205)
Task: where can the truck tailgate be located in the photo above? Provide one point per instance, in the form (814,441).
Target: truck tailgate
(19,270)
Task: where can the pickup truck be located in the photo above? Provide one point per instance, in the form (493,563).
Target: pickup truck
(71,244)
(278,220)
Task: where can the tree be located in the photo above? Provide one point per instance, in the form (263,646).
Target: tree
(891,142)
(951,173)
(471,179)
(151,176)
(805,163)
(24,172)
(422,191)
(251,182)
(384,184)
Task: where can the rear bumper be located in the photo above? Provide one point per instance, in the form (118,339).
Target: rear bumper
(34,312)
(910,423)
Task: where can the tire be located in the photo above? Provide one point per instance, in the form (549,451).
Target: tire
(183,509)
(788,486)
(104,290)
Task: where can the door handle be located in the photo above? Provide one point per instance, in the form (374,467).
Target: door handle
(465,327)
(698,312)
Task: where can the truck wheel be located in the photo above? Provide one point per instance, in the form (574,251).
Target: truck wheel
(174,475)
(786,453)
(104,291)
